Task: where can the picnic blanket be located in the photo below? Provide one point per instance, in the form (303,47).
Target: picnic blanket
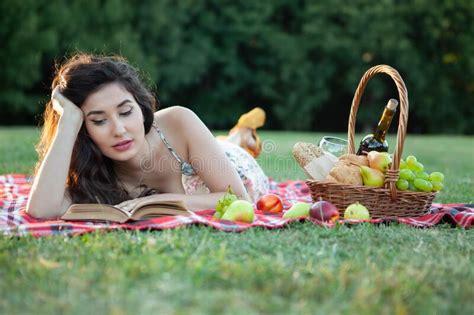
(14,221)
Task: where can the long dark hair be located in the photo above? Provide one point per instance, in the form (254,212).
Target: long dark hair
(91,177)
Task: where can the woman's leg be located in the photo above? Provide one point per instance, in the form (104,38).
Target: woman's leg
(252,175)
(244,133)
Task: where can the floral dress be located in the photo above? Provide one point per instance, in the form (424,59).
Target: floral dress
(254,179)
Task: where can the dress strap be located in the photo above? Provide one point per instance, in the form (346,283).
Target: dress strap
(186,167)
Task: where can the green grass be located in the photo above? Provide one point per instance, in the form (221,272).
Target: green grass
(369,269)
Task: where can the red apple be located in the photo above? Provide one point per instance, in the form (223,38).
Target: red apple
(324,211)
(270,203)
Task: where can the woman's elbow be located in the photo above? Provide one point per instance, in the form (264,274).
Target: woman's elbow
(33,212)
(243,195)
(42,214)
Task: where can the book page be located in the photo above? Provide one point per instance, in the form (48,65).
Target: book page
(157,209)
(95,211)
(163,204)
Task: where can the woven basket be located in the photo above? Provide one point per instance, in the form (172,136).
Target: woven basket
(384,201)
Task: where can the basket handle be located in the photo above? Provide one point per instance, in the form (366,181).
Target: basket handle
(392,173)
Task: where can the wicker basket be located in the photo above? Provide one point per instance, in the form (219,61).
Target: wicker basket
(384,201)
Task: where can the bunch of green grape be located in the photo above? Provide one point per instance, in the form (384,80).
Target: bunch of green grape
(224,202)
(413,177)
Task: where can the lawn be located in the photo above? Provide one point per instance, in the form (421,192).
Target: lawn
(304,268)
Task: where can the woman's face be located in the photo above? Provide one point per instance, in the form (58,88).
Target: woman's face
(114,121)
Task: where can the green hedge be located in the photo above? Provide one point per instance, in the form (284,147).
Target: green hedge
(300,60)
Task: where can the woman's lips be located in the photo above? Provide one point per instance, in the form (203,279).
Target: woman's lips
(123,146)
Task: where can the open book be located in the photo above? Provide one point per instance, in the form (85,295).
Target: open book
(142,211)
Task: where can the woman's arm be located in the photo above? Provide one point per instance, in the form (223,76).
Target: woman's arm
(192,202)
(207,156)
(48,197)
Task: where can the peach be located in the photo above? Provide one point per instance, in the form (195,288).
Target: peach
(270,203)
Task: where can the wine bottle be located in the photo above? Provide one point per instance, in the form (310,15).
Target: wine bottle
(376,141)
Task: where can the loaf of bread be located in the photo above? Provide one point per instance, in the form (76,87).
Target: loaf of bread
(347,170)
(360,160)
(345,173)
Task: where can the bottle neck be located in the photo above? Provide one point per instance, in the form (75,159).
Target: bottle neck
(384,124)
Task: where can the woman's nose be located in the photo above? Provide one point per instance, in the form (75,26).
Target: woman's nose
(119,128)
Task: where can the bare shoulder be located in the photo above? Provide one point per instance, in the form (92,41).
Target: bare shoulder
(174,122)
(174,115)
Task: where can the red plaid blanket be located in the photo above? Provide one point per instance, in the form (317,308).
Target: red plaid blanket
(14,190)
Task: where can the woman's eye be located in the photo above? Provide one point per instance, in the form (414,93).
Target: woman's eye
(102,121)
(126,113)
(98,122)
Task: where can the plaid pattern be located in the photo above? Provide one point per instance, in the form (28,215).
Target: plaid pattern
(14,190)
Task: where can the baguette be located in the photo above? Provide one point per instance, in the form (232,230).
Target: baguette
(315,162)
(304,153)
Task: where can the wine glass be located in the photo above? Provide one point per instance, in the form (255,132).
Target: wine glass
(333,145)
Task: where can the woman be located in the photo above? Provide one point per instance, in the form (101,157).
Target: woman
(103,142)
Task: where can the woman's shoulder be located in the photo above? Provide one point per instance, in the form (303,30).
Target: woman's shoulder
(174,115)
(172,122)
(176,120)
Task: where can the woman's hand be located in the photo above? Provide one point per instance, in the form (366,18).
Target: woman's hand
(64,107)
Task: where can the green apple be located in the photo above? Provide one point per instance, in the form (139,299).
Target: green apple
(356,211)
(298,210)
(239,210)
